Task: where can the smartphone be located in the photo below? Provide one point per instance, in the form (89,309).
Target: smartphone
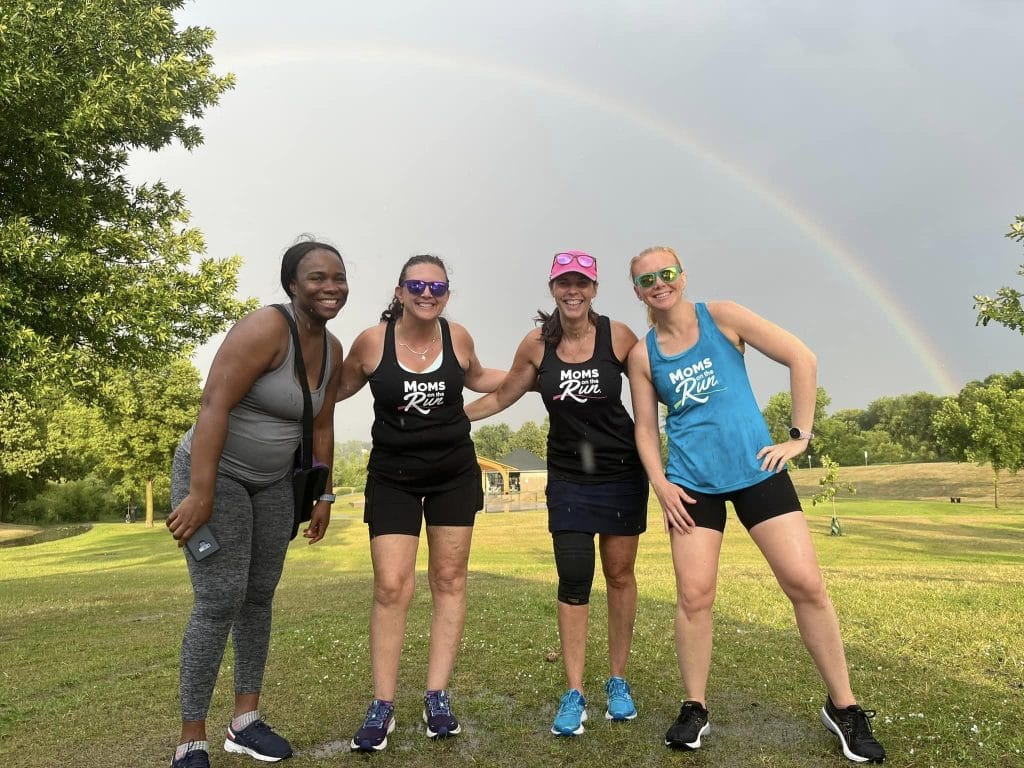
(202,544)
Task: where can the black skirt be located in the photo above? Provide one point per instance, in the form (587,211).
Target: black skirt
(618,507)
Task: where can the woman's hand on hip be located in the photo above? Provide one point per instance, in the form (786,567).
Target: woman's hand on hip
(673,500)
(774,458)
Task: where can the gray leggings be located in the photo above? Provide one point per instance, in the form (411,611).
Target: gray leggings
(234,587)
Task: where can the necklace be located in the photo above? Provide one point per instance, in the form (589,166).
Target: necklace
(421,353)
(579,340)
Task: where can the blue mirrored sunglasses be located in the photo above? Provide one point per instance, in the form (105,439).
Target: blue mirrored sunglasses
(438,288)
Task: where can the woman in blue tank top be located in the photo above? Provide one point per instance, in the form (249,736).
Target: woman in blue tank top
(596,484)
(720,450)
(422,467)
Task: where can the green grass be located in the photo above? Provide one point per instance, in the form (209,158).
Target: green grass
(926,482)
(929,596)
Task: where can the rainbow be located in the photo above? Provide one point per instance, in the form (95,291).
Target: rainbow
(840,255)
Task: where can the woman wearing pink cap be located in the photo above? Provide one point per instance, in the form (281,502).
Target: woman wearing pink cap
(596,483)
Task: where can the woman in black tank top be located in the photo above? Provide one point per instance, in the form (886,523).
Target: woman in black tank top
(596,484)
(422,466)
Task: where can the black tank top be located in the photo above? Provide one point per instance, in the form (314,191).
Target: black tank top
(590,439)
(420,431)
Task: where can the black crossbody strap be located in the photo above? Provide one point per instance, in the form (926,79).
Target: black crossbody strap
(307,400)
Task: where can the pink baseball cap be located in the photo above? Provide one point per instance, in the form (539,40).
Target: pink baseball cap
(574,261)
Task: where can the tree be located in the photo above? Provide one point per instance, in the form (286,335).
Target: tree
(151,411)
(1006,308)
(492,440)
(985,424)
(22,450)
(908,421)
(840,437)
(778,413)
(530,437)
(350,461)
(95,272)
(831,485)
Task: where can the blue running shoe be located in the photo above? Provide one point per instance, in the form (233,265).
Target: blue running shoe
(437,714)
(572,713)
(620,700)
(379,722)
(258,740)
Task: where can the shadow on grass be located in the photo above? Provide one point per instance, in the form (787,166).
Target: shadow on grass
(945,541)
(55,533)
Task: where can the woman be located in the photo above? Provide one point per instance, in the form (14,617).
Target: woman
(233,471)
(720,450)
(595,481)
(422,465)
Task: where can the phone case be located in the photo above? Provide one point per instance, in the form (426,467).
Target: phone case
(202,543)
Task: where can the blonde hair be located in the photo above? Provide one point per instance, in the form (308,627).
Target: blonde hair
(648,252)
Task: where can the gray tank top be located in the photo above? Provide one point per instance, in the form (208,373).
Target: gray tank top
(265,428)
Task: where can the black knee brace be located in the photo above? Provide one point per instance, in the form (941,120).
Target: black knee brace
(574,559)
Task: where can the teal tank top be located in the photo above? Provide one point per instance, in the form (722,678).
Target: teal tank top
(714,426)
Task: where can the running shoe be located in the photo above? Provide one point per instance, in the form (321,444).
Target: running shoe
(379,722)
(258,740)
(688,729)
(195,758)
(572,713)
(851,725)
(620,700)
(437,714)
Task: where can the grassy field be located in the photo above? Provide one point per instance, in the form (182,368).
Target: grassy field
(926,482)
(929,595)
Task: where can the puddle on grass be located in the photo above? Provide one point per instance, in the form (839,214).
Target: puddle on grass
(329,749)
(409,739)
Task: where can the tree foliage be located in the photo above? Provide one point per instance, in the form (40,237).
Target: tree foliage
(530,437)
(492,440)
(984,424)
(350,461)
(149,413)
(95,272)
(1006,308)
(125,438)
(778,413)
(891,429)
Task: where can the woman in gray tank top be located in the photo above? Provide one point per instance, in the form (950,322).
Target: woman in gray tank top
(232,472)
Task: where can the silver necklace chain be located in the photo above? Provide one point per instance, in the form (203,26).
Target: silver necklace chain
(421,353)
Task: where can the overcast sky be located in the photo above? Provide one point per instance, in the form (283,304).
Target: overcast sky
(846,170)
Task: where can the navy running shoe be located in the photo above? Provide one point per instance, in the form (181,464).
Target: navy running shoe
(195,758)
(437,714)
(379,722)
(258,740)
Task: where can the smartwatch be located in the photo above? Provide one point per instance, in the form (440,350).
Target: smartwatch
(330,498)
(795,433)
